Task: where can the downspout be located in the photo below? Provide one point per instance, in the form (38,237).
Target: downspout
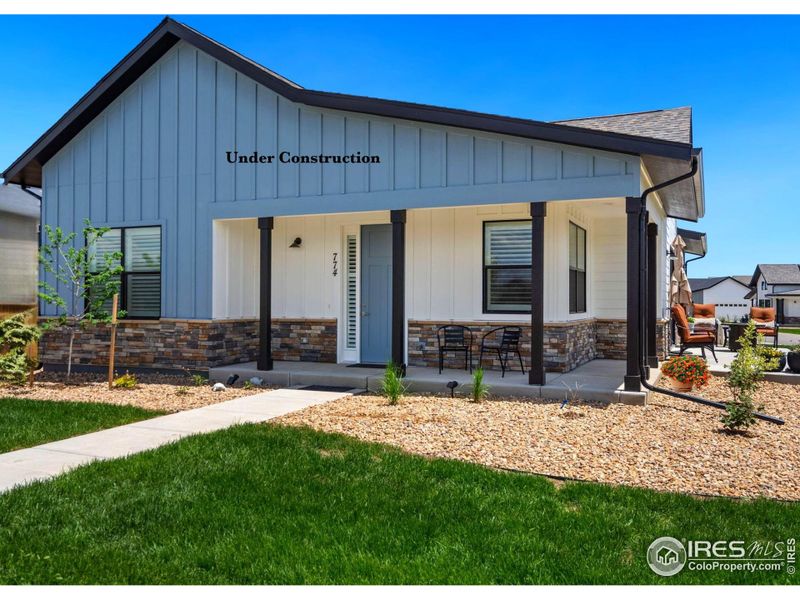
(686,263)
(642,318)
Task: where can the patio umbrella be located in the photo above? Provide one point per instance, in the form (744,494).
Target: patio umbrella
(679,290)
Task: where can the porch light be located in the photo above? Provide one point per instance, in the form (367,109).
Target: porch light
(452,385)
(296,243)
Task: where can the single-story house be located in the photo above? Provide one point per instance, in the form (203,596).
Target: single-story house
(260,220)
(729,293)
(19,248)
(778,285)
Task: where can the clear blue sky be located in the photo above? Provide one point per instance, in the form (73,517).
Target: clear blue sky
(739,73)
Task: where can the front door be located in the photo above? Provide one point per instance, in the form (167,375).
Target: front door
(780,310)
(376,293)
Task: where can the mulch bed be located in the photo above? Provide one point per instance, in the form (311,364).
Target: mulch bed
(669,445)
(169,393)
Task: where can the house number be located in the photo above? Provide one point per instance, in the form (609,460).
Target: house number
(335,264)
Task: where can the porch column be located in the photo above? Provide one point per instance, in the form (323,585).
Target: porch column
(652,300)
(536,375)
(398,218)
(633,209)
(265,225)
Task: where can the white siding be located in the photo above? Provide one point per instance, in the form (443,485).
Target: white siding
(726,295)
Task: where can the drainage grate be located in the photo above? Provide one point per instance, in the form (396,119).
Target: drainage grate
(369,365)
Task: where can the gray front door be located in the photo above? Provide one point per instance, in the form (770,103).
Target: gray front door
(376,293)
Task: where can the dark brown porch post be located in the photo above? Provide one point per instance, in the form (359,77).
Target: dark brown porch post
(633,208)
(265,225)
(398,218)
(652,300)
(536,375)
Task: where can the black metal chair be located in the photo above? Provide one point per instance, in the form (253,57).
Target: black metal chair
(455,338)
(507,344)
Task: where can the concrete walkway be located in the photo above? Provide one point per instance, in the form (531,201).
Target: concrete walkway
(48,460)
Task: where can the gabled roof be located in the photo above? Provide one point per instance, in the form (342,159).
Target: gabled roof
(777,274)
(16,201)
(673,124)
(703,283)
(664,158)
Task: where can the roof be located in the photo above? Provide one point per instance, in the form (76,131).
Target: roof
(673,124)
(703,283)
(696,242)
(785,274)
(664,158)
(15,200)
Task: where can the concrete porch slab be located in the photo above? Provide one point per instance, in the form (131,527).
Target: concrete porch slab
(598,380)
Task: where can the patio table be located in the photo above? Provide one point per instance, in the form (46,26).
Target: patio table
(735,332)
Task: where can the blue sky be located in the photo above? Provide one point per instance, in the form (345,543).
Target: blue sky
(739,73)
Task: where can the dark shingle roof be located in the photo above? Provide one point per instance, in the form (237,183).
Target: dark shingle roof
(780,273)
(673,124)
(703,283)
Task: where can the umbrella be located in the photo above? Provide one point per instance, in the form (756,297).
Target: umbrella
(679,290)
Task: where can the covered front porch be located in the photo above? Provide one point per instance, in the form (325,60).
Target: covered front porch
(599,380)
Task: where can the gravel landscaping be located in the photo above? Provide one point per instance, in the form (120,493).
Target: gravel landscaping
(669,445)
(167,393)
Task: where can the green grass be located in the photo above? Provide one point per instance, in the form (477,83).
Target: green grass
(26,423)
(794,330)
(270,504)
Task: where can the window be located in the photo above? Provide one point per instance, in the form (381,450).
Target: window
(140,292)
(577,269)
(507,267)
(763,284)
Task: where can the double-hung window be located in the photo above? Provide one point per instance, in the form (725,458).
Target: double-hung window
(507,266)
(140,290)
(577,269)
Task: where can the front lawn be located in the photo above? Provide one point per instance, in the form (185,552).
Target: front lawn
(273,504)
(26,423)
(793,330)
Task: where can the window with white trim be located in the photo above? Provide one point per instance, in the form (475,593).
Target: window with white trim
(140,289)
(577,269)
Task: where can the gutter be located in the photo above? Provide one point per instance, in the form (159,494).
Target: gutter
(642,316)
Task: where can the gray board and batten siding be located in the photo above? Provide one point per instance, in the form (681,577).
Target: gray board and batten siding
(157,156)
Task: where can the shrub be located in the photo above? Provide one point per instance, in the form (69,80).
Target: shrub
(772,357)
(479,389)
(182,391)
(126,382)
(198,380)
(248,385)
(393,387)
(15,336)
(686,369)
(747,370)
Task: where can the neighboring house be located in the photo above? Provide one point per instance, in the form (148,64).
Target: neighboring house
(19,247)
(462,217)
(778,286)
(730,294)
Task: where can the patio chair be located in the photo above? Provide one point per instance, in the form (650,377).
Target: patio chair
(508,343)
(766,324)
(686,338)
(705,318)
(455,338)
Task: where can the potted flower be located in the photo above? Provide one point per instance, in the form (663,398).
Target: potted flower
(686,372)
(774,357)
(793,358)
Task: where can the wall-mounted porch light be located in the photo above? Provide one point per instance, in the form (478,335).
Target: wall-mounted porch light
(296,243)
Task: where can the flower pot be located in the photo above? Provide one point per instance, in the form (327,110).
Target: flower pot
(793,359)
(680,386)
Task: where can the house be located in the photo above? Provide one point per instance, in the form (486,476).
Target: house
(264,221)
(730,294)
(778,286)
(19,247)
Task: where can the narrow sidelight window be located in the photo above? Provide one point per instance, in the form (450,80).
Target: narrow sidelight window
(577,269)
(507,267)
(140,292)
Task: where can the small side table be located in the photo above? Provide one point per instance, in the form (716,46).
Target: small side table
(735,331)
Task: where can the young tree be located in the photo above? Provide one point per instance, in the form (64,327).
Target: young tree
(88,280)
(15,337)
